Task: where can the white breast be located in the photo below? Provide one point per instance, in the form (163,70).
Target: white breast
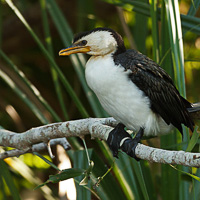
(120,97)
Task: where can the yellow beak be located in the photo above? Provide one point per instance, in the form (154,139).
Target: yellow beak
(74,49)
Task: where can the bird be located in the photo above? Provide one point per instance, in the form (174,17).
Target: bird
(132,88)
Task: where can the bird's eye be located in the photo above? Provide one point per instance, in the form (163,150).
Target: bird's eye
(84,42)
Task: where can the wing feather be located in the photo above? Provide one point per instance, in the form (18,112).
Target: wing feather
(148,76)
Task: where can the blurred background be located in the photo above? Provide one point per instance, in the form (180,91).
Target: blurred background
(38,87)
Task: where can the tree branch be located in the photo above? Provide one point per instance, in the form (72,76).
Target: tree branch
(35,148)
(97,128)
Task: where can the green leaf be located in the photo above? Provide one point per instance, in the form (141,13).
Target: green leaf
(140,32)
(87,174)
(120,176)
(133,174)
(2,188)
(189,23)
(169,180)
(50,59)
(196,185)
(23,96)
(109,187)
(49,44)
(78,60)
(1,20)
(47,161)
(66,174)
(63,175)
(155,31)
(191,175)
(193,7)
(80,161)
(5,173)
(30,86)
(194,139)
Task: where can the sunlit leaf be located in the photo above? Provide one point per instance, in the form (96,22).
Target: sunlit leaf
(47,161)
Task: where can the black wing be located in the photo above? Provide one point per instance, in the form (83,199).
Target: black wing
(148,76)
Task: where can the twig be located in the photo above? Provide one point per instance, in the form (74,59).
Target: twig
(36,148)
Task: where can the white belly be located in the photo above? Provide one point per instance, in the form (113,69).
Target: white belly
(121,98)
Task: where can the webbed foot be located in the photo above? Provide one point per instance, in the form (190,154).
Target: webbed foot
(119,139)
(129,145)
(115,137)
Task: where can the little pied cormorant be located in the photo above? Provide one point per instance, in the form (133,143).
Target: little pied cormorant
(132,88)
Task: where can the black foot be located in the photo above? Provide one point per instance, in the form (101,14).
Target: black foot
(115,137)
(129,145)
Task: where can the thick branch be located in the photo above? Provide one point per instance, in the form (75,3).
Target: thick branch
(98,128)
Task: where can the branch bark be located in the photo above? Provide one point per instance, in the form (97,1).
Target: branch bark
(97,128)
(36,148)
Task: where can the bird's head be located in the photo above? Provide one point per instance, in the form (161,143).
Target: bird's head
(97,42)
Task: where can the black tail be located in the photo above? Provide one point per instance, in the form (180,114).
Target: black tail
(194,111)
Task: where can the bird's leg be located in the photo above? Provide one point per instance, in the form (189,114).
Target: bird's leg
(129,145)
(115,137)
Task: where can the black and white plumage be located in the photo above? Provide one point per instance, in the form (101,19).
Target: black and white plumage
(132,88)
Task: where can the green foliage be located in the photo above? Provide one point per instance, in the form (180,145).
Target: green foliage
(47,161)
(158,29)
(8,179)
(194,139)
(63,175)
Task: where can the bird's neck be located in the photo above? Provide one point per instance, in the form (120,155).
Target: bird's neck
(120,48)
